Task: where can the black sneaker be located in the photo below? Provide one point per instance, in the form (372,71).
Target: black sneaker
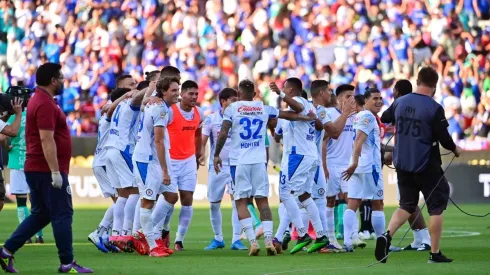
(424,247)
(286,239)
(383,244)
(438,258)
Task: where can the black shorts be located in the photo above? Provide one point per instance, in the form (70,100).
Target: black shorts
(411,184)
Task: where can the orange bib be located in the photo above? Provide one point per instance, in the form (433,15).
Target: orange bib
(182,133)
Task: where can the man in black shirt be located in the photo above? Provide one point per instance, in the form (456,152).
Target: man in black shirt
(420,127)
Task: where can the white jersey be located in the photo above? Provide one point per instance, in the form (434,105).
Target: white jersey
(302,133)
(123,131)
(155,115)
(211,129)
(282,129)
(102,136)
(249,127)
(370,157)
(321,113)
(339,150)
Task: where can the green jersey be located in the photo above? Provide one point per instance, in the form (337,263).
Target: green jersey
(17,155)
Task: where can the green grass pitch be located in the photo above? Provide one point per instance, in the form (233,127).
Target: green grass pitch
(466,240)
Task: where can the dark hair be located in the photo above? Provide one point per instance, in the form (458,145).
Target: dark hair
(164,84)
(189,84)
(344,88)
(316,86)
(226,93)
(369,92)
(152,76)
(46,72)
(169,71)
(118,92)
(403,86)
(247,87)
(142,85)
(304,94)
(359,100)
(427,76)
(121,78)
(295,83)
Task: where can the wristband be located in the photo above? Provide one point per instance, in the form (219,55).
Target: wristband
(282,95)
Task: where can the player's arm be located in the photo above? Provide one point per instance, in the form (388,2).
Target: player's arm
(13,129)
(198,144)
(114,104)
(388,115)
(324,157)
(360,139)
(334,129)
(5,143)
(293,104)
(138,98)
(293,116)
(160,146)
(223,135)
(439,126)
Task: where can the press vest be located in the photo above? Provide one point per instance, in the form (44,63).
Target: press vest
(182,134)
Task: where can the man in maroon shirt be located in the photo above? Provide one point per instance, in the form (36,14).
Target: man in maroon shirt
(47,164)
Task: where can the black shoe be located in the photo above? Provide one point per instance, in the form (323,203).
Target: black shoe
(286,240)
(29,241)
(410,247)
(383,244)
(424,247)
(438,258)
(164,234)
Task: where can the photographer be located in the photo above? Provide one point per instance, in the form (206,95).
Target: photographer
(11,131)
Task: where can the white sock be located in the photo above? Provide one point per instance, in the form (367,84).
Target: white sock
(248,228)
(216,220)
(168,218)
(268,228)
(294,214)
(129,209)
(235,223)
(304,218)
(106,221)
(349,219)
(314,216)
(147,225)
(184,221)
(283,222)
(425,236)
(321,204)
(136,222)
(331,224)
(355,227)
(159,213)
(118,216)
(379,222)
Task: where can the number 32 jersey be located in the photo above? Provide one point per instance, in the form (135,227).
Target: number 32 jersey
(249,127)
(370,158)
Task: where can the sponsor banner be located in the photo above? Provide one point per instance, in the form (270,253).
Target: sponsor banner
(469,184)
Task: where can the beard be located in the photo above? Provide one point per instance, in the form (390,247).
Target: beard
(59,90)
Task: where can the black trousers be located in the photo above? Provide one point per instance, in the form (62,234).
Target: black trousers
(433,185)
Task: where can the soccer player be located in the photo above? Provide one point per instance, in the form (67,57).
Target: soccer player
(218,182)
(120,146)
(321,96)
(18,183)
(364,171)
(302,157)
(99,237)
(151,160)
(126,81)
(340,138)
(247,120)
(184,128)
(421,237)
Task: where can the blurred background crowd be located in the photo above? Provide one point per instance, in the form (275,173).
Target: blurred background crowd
(219,42)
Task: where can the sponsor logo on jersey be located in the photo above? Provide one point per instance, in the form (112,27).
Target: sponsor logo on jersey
(244,110)
(189,128)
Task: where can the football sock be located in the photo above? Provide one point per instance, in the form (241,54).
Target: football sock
(366,212)
(341,209)
(106,221)
(22,210)
(129,209)
(268,225)
(349,220)
(283,222)
(184,221)
(248,229)
(216,220)
(355,228)
(294,214)
(253,213)
(424,235)
(321,204)
(137,222)
(147,225)
(118,216)
(160,212)
(331,225)
(235,223)
(314,216)
(379,222)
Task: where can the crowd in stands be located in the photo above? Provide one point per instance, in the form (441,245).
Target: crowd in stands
(218,43)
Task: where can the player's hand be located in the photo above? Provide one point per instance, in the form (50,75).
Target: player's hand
(152,86)
(217,164)
(17,105)
(388,158)
(347,174)
(349,107)
(274,88)
(57,180)
(199,160)
(166,178)
(458,151)
(155,100)
(311,115)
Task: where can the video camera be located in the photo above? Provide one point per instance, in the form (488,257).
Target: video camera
(12,92)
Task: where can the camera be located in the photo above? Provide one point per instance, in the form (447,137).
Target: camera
(12,92)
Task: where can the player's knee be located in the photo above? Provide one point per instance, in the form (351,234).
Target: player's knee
(147,204)
(377,205)
(171,198)
(304,196)
(410,208)
(331,202)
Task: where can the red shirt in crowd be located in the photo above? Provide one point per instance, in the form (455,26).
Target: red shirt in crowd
(44,114)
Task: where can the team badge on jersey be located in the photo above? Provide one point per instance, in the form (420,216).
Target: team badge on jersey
(163,114)
(321,191)
(149,192)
